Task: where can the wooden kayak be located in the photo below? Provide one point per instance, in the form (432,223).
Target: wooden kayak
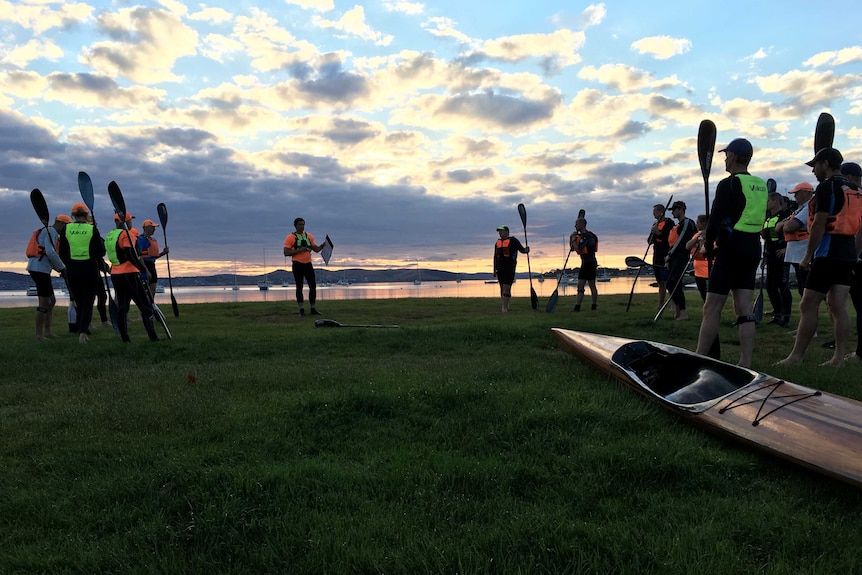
(812,428)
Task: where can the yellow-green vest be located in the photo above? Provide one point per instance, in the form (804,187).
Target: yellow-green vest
(111,246)
(78,235)
(756,192)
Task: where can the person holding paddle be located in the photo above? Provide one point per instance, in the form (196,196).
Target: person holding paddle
(659,238)
(734,225)
(42,258)
(505,261)
(81,248)
(586,244)
(148,247)
(299,245)
(129,286)
(831,256)
(678,257)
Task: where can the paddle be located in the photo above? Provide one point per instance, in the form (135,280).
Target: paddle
(85,186)
(643,263)
(705,151)
(534,299)
(771,186)
(333,323)
(552,301)
(163,218)
(824,133)
(757,309)
(40,206)
(119,204)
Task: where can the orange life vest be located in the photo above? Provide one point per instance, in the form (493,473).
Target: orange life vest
(847,221)
(34,248)
(504,244)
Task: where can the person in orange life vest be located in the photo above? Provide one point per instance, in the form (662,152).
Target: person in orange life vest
(774,248)
(148,247)
(81,248)
(853,172)
(678,257)
(505,261)
(299,245)
(701,264)
(126,271)
(734,225)
(658,237)
(39,266)
(795,230)
(831,255)
(586,243)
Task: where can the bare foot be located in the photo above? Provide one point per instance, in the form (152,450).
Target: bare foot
(834,362)
(789,361)
(83,338)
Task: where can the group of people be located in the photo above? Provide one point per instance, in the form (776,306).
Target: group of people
(74,247)
(817,234)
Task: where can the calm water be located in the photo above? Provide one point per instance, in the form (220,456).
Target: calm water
(186,295)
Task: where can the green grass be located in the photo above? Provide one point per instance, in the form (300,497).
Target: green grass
(463,442)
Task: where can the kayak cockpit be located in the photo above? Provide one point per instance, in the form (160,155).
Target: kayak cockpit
(684,379)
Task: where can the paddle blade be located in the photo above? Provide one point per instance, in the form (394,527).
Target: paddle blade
(40,206)
(705,147)
(552,302)
(117,199)
(522,211)
(582,213)
(824,133)
(757,312)
(534,299)
(174,306)
(771,185)
(85,186)
(163,216)
(635,262)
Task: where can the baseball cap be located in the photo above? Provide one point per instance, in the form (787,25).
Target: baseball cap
(740,147)
(677,204)
(149,223)
(80,208)
(64,218)
(832,156)
(802,186)
(502,228)
(851,169)
(129,217)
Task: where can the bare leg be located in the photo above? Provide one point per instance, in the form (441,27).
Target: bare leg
(711,318)
(836,299)
(742,307)
(505,295)
(808,309)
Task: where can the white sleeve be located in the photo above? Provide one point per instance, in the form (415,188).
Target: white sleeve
(50,252)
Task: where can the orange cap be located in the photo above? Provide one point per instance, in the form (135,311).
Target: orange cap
(150,223)
(80,209)
(129,217)
(802,186)
(64,218)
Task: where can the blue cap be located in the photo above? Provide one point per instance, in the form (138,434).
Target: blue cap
(740,147)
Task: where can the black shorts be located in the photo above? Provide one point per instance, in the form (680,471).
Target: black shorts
(506,275)
(733,271)
(43,284)
(152,276)
(827,272)
(661,273)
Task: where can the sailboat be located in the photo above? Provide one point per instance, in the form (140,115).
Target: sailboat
(265,284)
(235,285)
(418,280)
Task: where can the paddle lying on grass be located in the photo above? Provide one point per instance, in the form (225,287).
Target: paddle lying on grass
(534,299)
(552,301)
(824,132)
(163,218)
(333,323)
(40,206)
(120,208)
(85,186)
(640,266)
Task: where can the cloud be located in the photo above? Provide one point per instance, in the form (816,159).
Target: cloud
(316,5)
(353,23)
(212,15)
(269,46)
(99,91)
(468,176)
(805,91)
(445,28)
(851,55)
(661,47)
(410,8)
(626,78)
(146,45)
(593,15)
(39,16)
(557,50)
(34,49)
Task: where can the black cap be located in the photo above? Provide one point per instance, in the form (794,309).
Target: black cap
(677,204)
(832,156)
(851,169)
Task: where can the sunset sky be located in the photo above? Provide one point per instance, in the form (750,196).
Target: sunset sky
(407,131)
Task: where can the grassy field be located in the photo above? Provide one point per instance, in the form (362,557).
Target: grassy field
(463,442)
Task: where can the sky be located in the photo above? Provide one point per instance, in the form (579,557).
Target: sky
(407,131)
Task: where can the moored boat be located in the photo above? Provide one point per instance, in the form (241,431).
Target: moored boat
(816,429)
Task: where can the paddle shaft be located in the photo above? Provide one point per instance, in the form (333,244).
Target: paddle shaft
(162,210)
(534,299)
(650,240)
